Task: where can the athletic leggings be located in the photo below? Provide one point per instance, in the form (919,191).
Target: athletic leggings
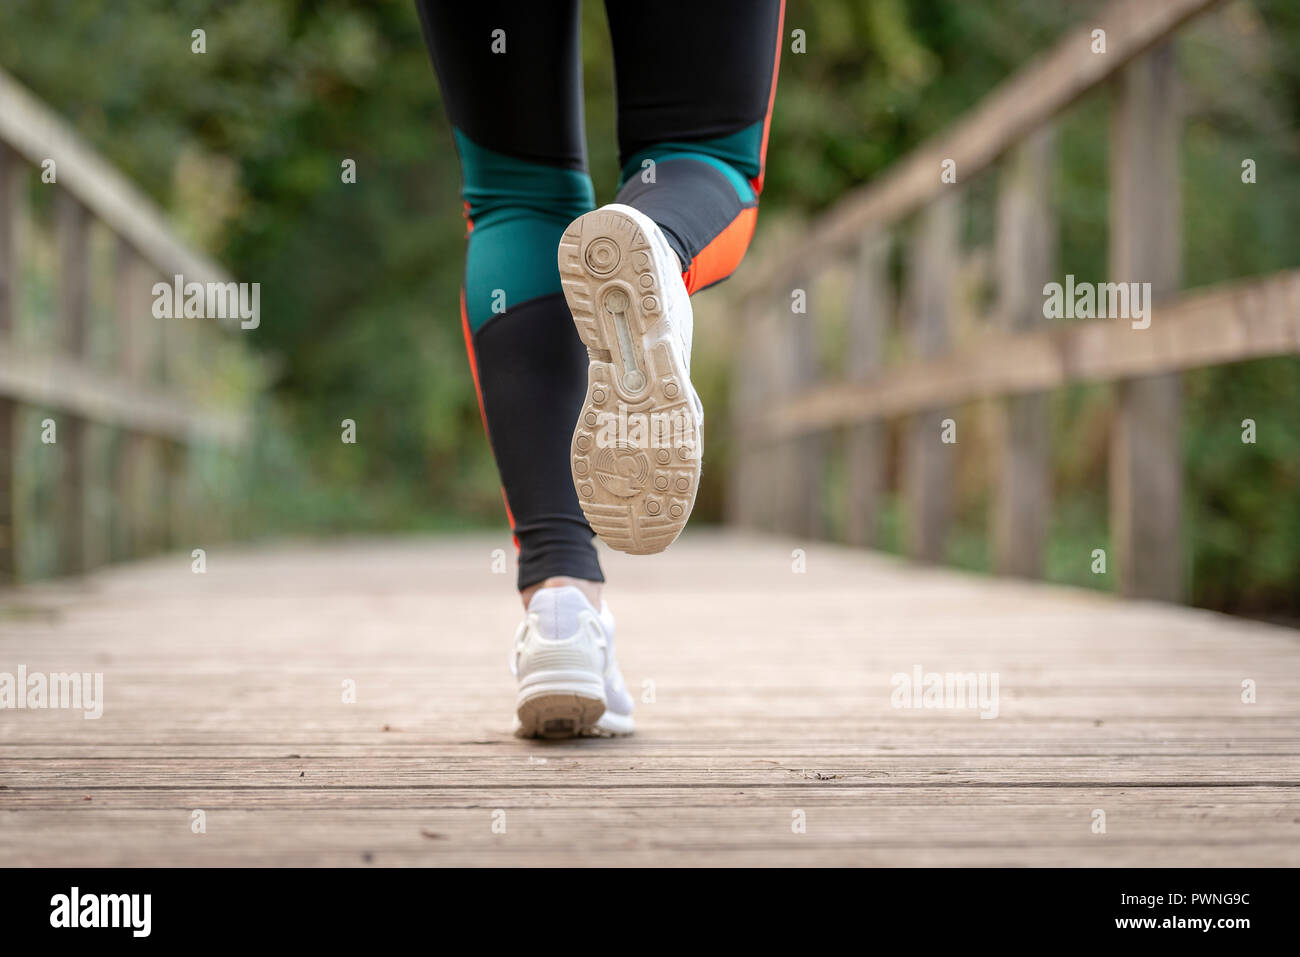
(695,84)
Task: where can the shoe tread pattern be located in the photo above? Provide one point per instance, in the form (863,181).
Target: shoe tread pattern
(637,496)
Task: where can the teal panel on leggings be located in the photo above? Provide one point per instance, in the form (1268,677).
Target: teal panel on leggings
(737,155)
(519,211)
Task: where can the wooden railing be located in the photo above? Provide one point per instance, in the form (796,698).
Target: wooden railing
(788,416)
(109,417)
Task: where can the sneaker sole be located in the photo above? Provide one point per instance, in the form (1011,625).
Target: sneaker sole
(636,490)
(558,707)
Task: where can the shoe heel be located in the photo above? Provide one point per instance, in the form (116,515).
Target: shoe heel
(559,704)
(558,715)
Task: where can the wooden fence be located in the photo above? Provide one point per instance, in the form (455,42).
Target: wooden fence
(106,412)
(789,415)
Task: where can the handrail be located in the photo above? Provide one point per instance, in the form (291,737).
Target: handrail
(1029,98)
(130,428)
(37,133)
(1232,322)
(67,385)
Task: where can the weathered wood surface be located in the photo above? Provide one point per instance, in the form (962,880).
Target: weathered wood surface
(772,694)
(74,302)
(1228,322)
(1026,252)
(870,308)
(927,460)
(1146,461)
(10,185)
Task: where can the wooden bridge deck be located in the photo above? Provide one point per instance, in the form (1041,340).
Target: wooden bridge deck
(772,695)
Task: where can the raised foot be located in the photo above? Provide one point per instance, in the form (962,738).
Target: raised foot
(636,445)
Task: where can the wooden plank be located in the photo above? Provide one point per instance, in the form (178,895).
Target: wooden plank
(1025,101)
(12,181)
(126,519)
(801,461)
(746,473)
(756,471)
(38,134)
(1026,248)
(433,839)
(73,227)
(429,777)
(927,459)
(1141,826)
(810,453)
(185,347)
(62,383)
(138,337)
(870,308)
(1132,708)
(174,525)
(68,386)
(8,488)
(1146,246)
(1230,322)
(177,347)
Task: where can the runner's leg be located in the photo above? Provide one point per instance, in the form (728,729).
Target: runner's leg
(514,99)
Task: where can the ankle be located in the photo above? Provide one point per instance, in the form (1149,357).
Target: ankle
(591,590)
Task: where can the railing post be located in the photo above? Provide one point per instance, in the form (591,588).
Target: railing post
(180,342)
(1026,252)
(134,488)
(745,493)
(870,303)
(128,446)
(927,465)
(802,458)
(770,477)
(73,222)
(1145,246)
(11,181)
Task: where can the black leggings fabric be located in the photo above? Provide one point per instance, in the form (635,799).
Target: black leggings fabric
(695,85)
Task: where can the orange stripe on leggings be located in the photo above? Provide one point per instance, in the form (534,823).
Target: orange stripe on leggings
(473,361)
(757,181)
(723,254)
(478,392)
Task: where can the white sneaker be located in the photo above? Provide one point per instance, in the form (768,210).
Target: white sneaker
(569,682)
(636,450)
